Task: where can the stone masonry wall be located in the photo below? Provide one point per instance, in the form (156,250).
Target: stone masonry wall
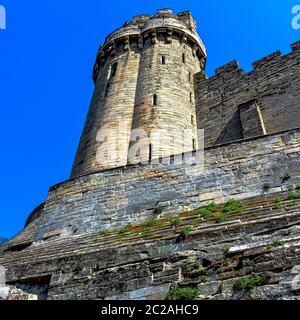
(131,194)
(110,111)
(274,84)
(173,83)
(263,241)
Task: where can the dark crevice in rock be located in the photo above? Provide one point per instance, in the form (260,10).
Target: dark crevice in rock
(17,248)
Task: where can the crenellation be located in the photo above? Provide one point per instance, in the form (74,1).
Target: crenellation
(273,82)
(187,18)
(165,12)
(124,36)
(141,19)
(274,60)
(227,68)
(296,47)
(267,61)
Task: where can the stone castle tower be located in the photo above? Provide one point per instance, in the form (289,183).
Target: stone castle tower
(144,79)
(141,231)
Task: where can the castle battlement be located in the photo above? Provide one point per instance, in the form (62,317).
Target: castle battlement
(275,58)
(234,105)
(136,31)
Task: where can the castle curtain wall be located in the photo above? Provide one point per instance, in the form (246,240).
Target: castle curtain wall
(274,84)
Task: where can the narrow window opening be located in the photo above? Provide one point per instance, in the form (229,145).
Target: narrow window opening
(172,159)
(162,60)
(192,119)
(194,144)
(154,100)
(113,69)
(183,57)
(107,89)
(150,151)
(190,77)
(191,97)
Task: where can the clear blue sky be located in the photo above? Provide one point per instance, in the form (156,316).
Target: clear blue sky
(46,60)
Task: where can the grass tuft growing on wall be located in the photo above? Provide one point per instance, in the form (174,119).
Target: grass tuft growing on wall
(249,283)
(183,294)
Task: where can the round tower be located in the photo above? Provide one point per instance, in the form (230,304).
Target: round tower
(143,106)
(172,54)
